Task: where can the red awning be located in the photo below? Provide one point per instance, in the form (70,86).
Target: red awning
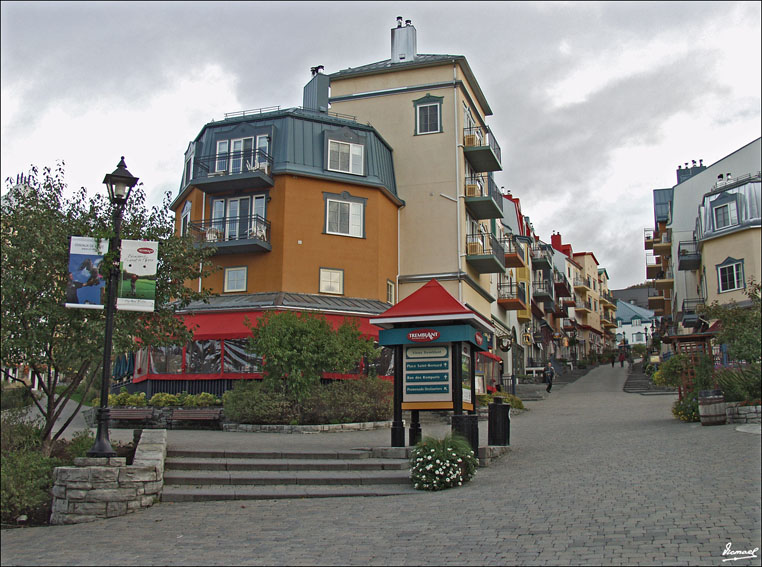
(489,355)
(231,324)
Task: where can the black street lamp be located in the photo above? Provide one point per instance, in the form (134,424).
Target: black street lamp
(119,184)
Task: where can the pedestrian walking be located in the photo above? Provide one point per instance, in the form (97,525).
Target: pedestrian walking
(621,359)
(549,374)
(613,359)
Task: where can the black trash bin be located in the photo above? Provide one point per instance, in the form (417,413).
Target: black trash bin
(499,423)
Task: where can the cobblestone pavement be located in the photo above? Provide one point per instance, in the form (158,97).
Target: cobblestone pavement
(596,476)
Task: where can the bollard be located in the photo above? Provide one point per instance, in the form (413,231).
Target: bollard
(467,425)
(499,422)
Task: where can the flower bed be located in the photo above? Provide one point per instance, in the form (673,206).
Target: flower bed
(437,464)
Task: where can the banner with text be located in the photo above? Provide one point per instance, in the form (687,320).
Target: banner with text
(137,275)
(85,287)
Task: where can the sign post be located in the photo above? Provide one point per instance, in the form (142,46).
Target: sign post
(434,360)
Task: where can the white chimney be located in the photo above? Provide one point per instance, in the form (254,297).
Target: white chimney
(404,44)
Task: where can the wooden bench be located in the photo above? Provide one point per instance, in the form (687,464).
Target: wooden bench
(201,414)
(131,414)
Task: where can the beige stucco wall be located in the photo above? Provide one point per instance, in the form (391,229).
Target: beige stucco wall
(742,245)
(429,169)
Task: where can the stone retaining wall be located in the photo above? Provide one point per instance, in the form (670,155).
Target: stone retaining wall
(736,413)
(248,428)
(104,487)
(162,419)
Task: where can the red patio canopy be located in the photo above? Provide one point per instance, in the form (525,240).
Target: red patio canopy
(231,324)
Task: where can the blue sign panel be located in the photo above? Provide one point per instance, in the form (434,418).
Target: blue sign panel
(434,335)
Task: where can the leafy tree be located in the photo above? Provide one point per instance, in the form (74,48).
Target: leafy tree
(298,348)
(62,345)
(740,325)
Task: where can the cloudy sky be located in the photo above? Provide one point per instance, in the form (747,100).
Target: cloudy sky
(595,104)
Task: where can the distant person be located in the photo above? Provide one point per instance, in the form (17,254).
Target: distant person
(613,359)
(548,373)
(621,359)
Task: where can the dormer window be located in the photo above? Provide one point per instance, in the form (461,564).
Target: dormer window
(725,215)
(346,157)
(345,151)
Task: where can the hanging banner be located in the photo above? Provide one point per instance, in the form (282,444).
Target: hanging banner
(137,275)
(86,288)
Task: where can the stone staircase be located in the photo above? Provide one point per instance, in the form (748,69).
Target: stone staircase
(194,476)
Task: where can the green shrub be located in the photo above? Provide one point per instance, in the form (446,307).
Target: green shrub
(205,399)
(349,401)
(687,409)
(124,399)
(15,397)
(741,384)
(436,464)
(486,399)
(252,402)
(19,432)
(164,400)
(80,444)
(26,477)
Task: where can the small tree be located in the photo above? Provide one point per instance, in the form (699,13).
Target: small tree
(298,348)
(740,325)
(61,345)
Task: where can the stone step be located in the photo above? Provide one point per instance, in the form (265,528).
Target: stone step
(353,478)
(312,455)
(233,464)
(235,492)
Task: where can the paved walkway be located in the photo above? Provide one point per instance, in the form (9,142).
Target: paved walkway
(596,476)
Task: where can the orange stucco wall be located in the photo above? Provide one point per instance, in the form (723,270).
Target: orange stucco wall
(296,211)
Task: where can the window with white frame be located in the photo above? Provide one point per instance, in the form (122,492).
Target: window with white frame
(332,281)
(635,322)
(235,279)
(185,219)
(725,215)
(344,215)
(428,119)
(346,157)
(221,164)
(730,275)
(428,114)
(390,292)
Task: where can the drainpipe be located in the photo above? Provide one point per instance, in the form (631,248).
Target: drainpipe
(457,177)
(203,214)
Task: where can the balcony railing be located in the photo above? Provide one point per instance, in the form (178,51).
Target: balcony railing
(481,149)
(688,255)
(250,169)
(563,289)
(582,283)
(512,292)
(541,288)
(648,238)
(483,198)
(540,255)
(485,254)
(233,234)
(514,252)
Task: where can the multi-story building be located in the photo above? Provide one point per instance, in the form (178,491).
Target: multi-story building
(706,237)
(432,111)
(634,324)
(587,308)
(607,309)
(301,208)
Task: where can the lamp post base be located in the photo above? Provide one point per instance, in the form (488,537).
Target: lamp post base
(102,446)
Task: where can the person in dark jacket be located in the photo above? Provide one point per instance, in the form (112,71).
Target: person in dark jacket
(549,374)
